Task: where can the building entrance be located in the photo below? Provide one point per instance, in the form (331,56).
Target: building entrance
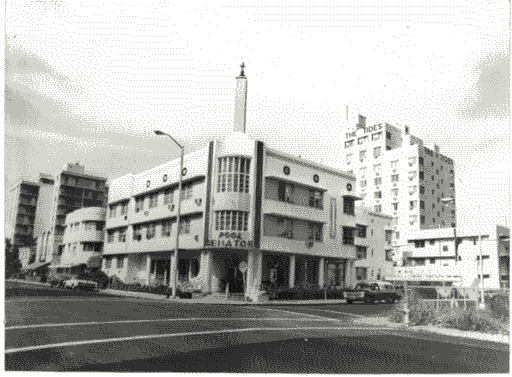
(235,280)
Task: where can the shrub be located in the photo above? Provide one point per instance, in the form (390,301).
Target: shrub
(116,283)
(418,310)
(499,305)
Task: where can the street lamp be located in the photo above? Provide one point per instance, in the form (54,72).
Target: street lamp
(450,200)
(174,271)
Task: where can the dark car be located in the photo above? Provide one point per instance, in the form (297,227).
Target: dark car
(372,292)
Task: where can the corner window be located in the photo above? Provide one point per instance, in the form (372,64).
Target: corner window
(233,174)
(231,220)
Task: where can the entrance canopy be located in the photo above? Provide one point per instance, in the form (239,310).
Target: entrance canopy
(36,265)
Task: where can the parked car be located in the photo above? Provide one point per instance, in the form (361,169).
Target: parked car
(74,283)
(372,292)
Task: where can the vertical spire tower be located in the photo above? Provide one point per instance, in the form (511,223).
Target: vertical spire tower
(240,101)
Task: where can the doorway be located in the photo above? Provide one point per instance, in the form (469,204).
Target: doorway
(235,280)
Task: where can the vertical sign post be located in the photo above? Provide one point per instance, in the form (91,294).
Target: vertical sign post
(243,268)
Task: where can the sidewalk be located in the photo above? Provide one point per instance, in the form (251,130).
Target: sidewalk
(382,321)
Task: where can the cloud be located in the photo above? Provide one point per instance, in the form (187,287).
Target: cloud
(491,90)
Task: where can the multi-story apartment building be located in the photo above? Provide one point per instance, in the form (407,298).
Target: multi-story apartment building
(82,243)
(431,256)
(22,220)
(397,174)
(73,189)
(292,220)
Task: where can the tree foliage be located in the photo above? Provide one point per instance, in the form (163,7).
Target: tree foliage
(12,262)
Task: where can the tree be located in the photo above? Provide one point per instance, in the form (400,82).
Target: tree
(12,262)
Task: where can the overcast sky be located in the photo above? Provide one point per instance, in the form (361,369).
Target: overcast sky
(90,81)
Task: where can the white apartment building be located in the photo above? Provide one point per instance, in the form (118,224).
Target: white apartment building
(431,256)
(397,174)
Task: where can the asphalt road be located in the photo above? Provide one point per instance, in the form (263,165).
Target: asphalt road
(50,329)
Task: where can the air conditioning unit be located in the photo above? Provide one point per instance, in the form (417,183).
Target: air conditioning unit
(137,209)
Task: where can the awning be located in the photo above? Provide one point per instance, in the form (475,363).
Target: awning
(36,265)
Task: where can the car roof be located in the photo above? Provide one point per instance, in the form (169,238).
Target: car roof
(379,282)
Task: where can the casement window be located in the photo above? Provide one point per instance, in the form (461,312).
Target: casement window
(122,235)
(377,194)
(419,244)
(389,255)
(112,212)
(88,246)
(378,208)
(124,208)
(168,196)
(422,219)
(187,191)
(349,158)
(231,220)
(316,199)
(422,189)
(233,174)
(394,178)
(395,191)
(349,144)
(110,236)
(151,231)
(89,225)
(378,181)
(348,236)
(361,252)
(422,204)
(137,232)
(315,232)
(108,261)
(422,175)
(412,205)
(120,261)
(99,226)
(139,203)
(395,206)
(166,228)
(421,160)
(364,183)
(185,226)
(389,235)
(361,230)
(153,200)
(334,216)
(377,136)
(348,206)
(362,155)
(377,152)
(362,140)
(285,191)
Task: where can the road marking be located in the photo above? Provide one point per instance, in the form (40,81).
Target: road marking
(95,341)
(310,315)
(332,311)
(156,320)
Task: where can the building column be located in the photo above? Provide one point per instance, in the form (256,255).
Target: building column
(321,272)
(254,272)
(148,268)
(205,269)
(173,269)
(292,271)
(251,263)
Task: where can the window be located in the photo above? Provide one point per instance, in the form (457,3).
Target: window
(233,174)
(153,200)
(378,208)
(361,252)
(231,220)
(376,152)
(437,171)
(364,183)
(397,235)
(166,228)
(422,189)
(349,144)
(377,136)
(348,206)
(394,177)
(378,181)
(151,231)
(108,262)
(112,212)
(316,199)
(88,246)
(349,158)
(110,236)
(419,244)
(363,195)
(139,203)
(389,255)
(187,190)
(315,232)
(395,206)
(452,185)
(412,205)
(432,192)
(361,273)
(433,220)
(438,200)
(120,261)
(362,155)
(421,160)
(377,194)
(433,205)
(285,191)
(362,171)
(432,242)
(445,248)
(422,175)
(422,219)
(362,140)
(137,232)
(100,226)
(437,185)
(185,226)
(334,215)
(442,208)
(432,178)
(438,214)
(361,231)
(395,191)
(388,135)
(124,208)
(389,235)
(348,236)
(362,120)
(122,235)
(168,196)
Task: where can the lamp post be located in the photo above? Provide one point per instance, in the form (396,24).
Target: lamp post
(174,271)
(482,304)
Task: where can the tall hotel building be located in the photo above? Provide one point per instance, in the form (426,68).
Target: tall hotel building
(292,220)
(399,175)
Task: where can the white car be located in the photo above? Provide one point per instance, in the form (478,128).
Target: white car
(74,283)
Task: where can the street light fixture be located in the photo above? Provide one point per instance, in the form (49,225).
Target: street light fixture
(174,271)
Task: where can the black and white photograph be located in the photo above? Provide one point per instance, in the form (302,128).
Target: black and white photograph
(257,187)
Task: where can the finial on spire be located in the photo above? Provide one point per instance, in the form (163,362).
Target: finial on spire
(242,66)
